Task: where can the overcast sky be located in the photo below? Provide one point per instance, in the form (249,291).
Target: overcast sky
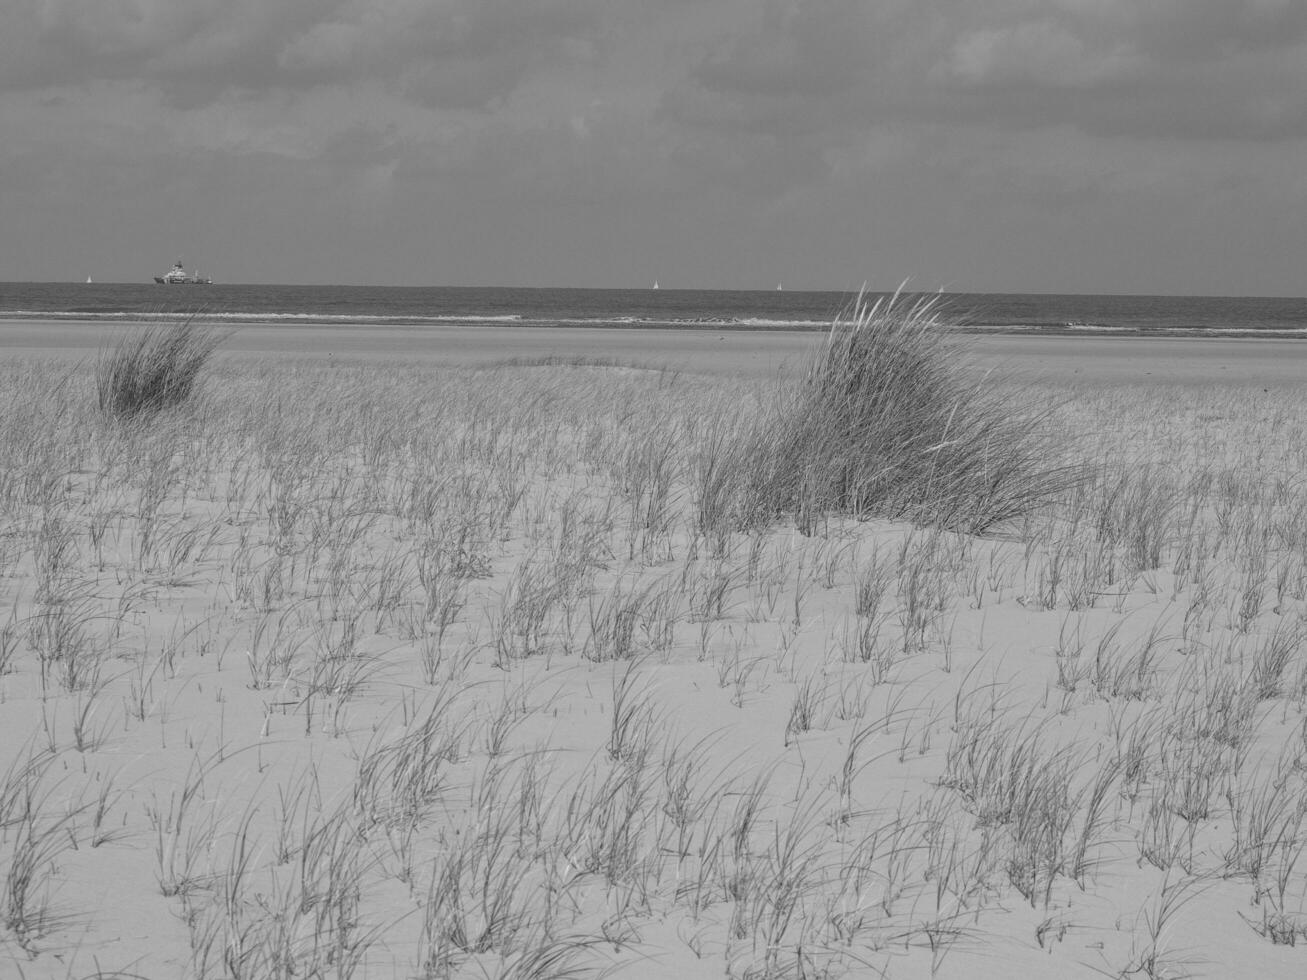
(1129,146)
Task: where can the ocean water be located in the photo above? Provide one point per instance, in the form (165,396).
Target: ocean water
(685,308)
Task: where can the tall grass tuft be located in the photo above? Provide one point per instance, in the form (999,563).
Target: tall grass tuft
(887,423)
(155,368)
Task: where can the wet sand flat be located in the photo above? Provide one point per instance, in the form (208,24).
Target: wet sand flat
(757,353)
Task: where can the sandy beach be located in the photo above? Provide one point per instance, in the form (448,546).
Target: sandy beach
(405,652)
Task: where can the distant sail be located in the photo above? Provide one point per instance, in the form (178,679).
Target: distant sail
(88,278)
(655,286)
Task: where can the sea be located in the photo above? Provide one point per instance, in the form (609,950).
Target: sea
(1283,317)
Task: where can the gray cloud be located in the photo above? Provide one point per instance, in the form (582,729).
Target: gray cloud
(1201,69)
(1198,69)
(741,112)
(197,49)
(1225,68)
(76,41)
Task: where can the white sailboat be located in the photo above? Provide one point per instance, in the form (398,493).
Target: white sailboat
(655,285)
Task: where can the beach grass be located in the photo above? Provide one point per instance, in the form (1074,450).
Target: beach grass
(368,669)
(155,368)
(890,420)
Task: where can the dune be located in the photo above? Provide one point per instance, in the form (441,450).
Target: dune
(418,653)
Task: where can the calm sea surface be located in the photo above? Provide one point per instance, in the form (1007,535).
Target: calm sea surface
(688,308)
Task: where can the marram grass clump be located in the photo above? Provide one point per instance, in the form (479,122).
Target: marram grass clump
(888,423)
(155,368)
